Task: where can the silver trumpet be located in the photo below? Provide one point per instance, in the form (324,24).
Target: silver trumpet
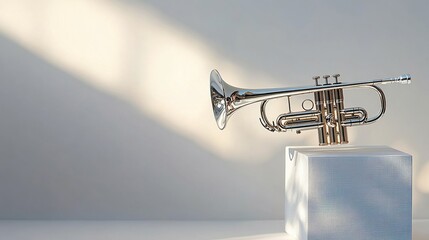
(327,113)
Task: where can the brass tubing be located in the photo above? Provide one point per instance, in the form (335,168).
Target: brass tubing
(354,116)
(302,120)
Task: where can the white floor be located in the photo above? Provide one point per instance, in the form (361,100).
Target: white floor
(130,230)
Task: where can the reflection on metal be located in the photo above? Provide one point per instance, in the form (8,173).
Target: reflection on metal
(330,117)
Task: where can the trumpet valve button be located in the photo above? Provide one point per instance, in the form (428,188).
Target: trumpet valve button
(316,79)
(326,78)
(336,77)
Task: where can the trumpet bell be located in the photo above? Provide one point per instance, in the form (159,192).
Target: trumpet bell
(218,99)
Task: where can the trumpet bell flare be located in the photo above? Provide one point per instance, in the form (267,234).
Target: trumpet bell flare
(218,99)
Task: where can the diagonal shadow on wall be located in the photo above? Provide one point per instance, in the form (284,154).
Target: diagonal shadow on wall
(69,151)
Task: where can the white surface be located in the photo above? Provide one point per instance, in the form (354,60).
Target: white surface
(348,192)
(158,230)
(141,230)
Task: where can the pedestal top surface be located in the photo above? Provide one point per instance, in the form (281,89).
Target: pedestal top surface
(357,151)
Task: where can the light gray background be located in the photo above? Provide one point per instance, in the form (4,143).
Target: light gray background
(81,139)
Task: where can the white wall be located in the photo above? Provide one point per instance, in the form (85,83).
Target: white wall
(106,111)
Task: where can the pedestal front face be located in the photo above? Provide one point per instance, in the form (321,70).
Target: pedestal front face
(348,193)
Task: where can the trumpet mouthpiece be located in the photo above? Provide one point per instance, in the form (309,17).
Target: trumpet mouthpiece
(404,79)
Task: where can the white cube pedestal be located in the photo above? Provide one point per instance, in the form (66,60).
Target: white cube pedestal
(348,193)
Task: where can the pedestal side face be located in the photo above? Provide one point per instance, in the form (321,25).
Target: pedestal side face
(360,198)
(357,193)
